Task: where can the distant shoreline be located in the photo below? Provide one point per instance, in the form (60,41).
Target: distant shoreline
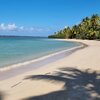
(22,36)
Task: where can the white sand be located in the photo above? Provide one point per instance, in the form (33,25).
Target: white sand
(16,88)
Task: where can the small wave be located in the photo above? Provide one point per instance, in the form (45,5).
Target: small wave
(38,59)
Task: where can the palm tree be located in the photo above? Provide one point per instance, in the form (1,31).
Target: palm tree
(95,19)
(89,28)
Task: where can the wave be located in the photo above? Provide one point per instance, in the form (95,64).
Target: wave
(39,59)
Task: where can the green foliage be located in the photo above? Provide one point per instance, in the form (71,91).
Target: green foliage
(89,28)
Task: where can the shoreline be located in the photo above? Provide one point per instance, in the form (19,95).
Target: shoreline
(12,71)
(84,63)
(9,67)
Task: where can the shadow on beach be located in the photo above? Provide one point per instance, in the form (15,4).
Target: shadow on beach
(79,85)
(1,95)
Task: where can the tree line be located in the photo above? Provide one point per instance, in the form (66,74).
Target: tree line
(88,28)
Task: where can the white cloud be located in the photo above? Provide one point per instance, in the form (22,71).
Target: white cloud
(2,26)
(65,26)
(13,27)
(21,27)
(8,27)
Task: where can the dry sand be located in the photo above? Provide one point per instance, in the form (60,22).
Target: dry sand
(74,75)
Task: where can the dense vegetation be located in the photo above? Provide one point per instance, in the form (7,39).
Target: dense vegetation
(88,28)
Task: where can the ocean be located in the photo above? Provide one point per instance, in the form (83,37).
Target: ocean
(14,50)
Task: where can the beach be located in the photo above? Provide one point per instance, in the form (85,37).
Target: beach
(76,74)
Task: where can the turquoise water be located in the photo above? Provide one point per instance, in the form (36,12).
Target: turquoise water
(14,50)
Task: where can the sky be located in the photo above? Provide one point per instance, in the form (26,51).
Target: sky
(43,17)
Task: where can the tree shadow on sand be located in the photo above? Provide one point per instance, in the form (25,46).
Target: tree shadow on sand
(79,85)
(1,95)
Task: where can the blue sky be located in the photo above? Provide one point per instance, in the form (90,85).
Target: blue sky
(43,17)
